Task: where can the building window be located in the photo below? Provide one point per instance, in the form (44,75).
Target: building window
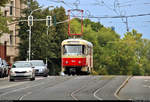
(11,39)
(11,7)
(29,3)
(5,13)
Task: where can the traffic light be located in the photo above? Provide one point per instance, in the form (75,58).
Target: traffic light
(48,21)
(54,20)
(30,20)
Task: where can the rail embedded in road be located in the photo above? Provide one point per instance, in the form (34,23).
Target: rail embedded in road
(65,88)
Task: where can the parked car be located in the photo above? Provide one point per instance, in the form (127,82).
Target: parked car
(22,69)
(5,67)
(40,67)
(1,69)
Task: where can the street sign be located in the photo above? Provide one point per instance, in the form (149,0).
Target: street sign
(54,20)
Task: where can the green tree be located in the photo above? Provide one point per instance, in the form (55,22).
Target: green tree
(3,19)
(3,2)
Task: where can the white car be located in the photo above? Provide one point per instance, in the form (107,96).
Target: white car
(22,69)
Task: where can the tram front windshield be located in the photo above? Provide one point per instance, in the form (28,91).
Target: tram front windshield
(73,49)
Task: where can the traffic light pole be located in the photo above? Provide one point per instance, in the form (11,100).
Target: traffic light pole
(30,43)
(30,23)
(47,44)
(48,24)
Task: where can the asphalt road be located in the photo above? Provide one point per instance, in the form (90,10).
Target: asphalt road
(62,88)
(137,88)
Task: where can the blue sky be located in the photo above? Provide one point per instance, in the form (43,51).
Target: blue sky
(103,8)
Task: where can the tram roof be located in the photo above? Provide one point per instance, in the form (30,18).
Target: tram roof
(77,39)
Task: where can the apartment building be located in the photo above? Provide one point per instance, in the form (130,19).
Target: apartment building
(10,42)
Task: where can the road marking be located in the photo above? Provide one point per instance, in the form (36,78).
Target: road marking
(11,85)
(145,80)
(38,78)
(77,77)
(4,78)
(25,95)
(76,92)
(20,83)
(97,96)
(20,89)
(102,86)
(145,86)
(85,85)
(122,85)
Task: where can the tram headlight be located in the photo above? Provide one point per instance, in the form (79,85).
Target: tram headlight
(79,62)
(67,62)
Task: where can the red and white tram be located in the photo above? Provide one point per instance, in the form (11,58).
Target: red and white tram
(76,56)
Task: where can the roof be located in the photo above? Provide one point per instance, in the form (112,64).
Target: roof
(78,39)
(20,61)
(36,60)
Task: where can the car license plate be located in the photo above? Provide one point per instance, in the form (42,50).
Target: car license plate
(20,74)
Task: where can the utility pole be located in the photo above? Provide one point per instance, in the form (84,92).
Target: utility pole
(126,22)
(76,3)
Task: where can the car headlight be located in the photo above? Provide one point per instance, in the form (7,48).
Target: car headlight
(11,71)
(42,69)
(29,71)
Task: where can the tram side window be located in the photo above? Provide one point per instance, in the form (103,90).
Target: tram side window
(88,50)
(83,49)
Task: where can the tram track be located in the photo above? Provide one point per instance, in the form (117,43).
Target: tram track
(65,88)
(99,89)
(47,86)
(20,89)
(31,86)
(77,91)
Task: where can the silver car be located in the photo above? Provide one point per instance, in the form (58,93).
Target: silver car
(22,69)
(40,67)
(5,67)
(1,69)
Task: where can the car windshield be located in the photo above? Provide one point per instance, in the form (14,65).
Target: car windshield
(36,63)
(4,62)
(21,65)
(74,49)
(0,61)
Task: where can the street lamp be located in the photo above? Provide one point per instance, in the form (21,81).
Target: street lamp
(30,24)
(34,11)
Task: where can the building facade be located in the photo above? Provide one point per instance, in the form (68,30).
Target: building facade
(11,41)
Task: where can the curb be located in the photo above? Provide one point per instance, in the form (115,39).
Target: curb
(122,85)
(3,78)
